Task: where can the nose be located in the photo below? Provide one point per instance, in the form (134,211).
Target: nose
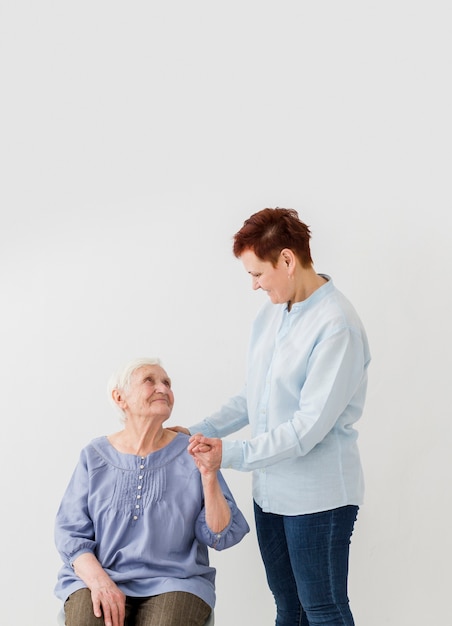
(255,283)
(161,387)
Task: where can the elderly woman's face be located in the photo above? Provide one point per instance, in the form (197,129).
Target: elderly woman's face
(149,393)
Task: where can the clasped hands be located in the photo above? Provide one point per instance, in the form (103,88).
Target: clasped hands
(207,452)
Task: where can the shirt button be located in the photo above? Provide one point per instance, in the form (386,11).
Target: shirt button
(138,496)
(135,517)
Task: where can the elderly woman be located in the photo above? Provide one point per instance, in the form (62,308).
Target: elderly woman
(137,518)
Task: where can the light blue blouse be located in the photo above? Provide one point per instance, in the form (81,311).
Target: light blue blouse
(144,519)
(306,387)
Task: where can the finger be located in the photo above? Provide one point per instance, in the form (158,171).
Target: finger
(198,447)
(192,448)
(112,616)
(196,437)
(107,617)
(96,608)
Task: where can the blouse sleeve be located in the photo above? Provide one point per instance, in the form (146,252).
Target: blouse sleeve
(234,531)
(74,531)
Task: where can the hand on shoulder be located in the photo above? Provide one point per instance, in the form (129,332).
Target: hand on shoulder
(179,429)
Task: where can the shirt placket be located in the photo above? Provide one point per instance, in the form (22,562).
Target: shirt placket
(263,408)
(139,493)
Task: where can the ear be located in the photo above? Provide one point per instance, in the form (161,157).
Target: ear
(288,257)
(116,394)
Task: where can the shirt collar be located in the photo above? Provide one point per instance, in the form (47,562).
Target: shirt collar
(315,297)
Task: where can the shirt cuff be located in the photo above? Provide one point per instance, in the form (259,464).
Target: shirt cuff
(232,455)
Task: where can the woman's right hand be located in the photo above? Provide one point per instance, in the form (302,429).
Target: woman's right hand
(108,600)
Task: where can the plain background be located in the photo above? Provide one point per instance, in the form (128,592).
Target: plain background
(136,137)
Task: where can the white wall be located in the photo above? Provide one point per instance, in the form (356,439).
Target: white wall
(135,139)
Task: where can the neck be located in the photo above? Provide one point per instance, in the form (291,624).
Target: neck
(306,282)
(133,441)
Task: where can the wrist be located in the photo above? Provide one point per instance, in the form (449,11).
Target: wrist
(209,477)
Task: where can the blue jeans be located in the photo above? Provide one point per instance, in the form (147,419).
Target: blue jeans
(306,561)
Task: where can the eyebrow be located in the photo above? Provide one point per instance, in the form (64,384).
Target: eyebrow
(165,379)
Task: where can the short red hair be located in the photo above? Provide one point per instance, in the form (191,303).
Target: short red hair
(269,231)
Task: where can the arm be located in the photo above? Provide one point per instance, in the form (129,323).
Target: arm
(76,543)
(336,373)
(108,600)
(218,513)
(221,524)
(231,417)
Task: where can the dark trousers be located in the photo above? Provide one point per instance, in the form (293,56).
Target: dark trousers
(176,608)
(306,562)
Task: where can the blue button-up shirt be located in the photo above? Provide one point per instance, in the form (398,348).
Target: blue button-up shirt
(144,519)
(306,387)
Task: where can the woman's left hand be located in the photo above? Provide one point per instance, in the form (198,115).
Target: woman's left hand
(207,452)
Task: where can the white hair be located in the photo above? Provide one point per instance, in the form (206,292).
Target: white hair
(122,377)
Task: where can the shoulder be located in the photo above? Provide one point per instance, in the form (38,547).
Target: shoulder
(176,448)
(339,307)
(99,452)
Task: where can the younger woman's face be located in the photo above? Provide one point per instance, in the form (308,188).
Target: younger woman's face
(274,280)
